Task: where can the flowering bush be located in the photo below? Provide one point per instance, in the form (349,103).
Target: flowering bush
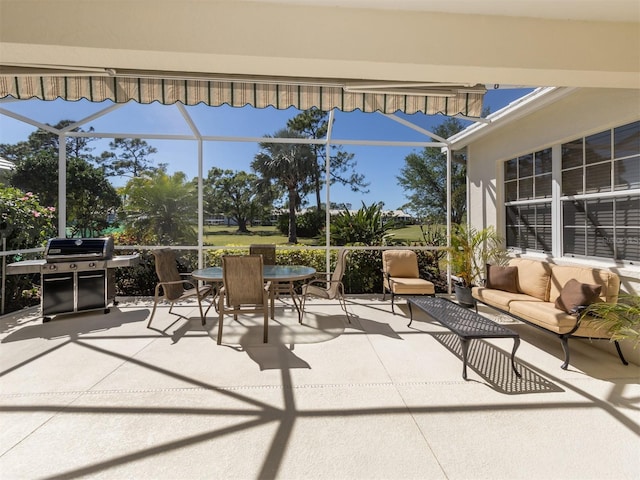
(25,224)
(28,224)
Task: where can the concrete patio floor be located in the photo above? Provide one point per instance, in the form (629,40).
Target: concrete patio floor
(102,396)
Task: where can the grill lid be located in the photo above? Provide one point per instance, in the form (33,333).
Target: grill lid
(67,249)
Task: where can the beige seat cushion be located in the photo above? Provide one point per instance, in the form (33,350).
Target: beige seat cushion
(548,316)
(533,277)
(409,286)
(544,314)
(499,298)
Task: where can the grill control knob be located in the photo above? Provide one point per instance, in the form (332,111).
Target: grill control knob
(73,266)
(92,264)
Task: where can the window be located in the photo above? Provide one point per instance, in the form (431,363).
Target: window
(599,197)
(604,162)
(606,228)
(527,196)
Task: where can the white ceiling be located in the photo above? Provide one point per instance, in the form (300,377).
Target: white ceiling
(600,10)
(571,43)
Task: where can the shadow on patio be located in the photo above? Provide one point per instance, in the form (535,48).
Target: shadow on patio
(101,395)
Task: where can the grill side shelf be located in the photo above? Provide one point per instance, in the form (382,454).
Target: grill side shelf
(123,261)
(35,266)
(25,267)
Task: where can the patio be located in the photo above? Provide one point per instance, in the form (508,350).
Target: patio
(102,396)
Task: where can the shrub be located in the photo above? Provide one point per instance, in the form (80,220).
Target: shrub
(26,224)
(310,224)
(282,223)
(303,256)
(429,261)
(141,279)
(365,227)
(364,272)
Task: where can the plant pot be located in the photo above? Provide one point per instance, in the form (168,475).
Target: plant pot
(463,296)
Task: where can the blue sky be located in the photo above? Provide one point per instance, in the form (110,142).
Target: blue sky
(380,165)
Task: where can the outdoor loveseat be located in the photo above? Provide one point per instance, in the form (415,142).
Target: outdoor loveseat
(550,297)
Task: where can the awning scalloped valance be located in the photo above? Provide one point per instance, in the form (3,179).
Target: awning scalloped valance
(122,89)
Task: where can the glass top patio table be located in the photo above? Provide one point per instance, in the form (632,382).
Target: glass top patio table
(272,273)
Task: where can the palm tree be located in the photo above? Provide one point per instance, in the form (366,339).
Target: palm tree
(161,208)
(288,166)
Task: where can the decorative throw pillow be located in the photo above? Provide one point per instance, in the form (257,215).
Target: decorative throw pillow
(502,278)
(574,296)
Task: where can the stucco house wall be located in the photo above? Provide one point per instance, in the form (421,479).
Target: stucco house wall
(580,112)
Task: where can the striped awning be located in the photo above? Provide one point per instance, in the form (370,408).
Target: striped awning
(280,93)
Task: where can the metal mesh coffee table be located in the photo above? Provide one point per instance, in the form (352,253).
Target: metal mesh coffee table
(465,323)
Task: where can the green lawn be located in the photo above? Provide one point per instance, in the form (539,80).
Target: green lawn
(223,235)
(410,233)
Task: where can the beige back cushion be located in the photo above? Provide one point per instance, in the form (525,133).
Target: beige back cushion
(561,274)
(400,263)
(533,277)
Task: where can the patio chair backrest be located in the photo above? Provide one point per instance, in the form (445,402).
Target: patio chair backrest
(267,250)
(167,271)
(341,265)
(338,272)
(242,279)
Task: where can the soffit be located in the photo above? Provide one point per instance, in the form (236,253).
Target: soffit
(591,10)
(332,39)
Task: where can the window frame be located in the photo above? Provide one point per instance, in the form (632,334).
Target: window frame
(529,200)
(572,156)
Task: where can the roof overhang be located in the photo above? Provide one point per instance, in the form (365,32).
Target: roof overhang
(521,107)
(494,42)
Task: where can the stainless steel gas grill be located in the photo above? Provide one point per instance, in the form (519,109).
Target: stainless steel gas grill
(77,274)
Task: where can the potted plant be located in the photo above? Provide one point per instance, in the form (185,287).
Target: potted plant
(620,320)
(471,249)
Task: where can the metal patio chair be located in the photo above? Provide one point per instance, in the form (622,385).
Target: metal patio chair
(243,290)
(174,286)
(401,275)
(328,288)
